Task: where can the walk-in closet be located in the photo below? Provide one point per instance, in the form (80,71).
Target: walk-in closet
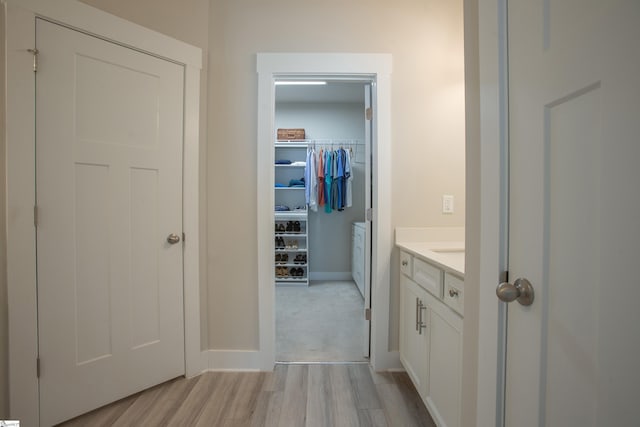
(320,195)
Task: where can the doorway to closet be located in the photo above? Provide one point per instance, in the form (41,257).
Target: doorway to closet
(322,244)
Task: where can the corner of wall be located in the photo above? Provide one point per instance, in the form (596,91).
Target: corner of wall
(472,228)
(4,331)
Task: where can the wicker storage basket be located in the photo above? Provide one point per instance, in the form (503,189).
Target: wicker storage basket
(290,134)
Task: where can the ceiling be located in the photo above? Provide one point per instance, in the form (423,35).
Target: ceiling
(342,92)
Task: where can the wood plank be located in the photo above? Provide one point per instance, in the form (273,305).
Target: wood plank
(319,412)
(372,418)
(342,397)
(174,395)
(364,389)
(244,401)
(412,399)
(194,403)
(294,404)
(216,407)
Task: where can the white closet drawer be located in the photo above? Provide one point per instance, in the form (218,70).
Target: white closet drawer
(428,276)
(454,292)
(406,263)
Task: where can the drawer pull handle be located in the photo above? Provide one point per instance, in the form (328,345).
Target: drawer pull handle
(405,263)
(421,323)
(453,293)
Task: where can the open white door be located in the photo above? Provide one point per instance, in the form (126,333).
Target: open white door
(369,96)
(574,103)
(109,192)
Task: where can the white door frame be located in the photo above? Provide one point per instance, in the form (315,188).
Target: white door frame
(378,67)
(494,175)
(20,18)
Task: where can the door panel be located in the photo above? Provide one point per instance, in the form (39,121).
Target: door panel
(574,209)
(109,192)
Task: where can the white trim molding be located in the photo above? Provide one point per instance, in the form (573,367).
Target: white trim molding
(493,70)
(330,275)
(231,360)
(376,67)
(19,25)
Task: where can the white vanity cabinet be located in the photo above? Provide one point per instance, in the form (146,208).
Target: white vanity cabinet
(431,335)
(413,337)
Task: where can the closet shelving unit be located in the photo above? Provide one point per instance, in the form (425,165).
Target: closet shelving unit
(296,242)
(294,197)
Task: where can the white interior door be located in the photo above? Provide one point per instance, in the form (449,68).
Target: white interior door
(369,96)
(109,192)
(574,103)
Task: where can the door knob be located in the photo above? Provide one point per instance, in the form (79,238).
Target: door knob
(521,290)
(173,238)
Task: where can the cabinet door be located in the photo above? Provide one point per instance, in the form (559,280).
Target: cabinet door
(445,363)
(413,338)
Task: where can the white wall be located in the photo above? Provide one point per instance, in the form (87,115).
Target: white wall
(330,233)
(425,38)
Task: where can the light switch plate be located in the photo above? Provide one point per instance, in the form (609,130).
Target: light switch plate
(447,204)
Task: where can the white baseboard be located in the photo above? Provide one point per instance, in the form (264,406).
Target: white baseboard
(231,360)
(330,275)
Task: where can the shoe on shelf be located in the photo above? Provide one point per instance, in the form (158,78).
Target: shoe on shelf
(278,258)
(284,258)
(296,226)
(281,228)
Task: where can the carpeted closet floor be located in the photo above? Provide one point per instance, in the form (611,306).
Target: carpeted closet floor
(319,323)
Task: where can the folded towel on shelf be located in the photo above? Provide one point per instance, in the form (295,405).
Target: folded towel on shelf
(281,185)
(282,208)
(299,164)
(296,183)
(283,162)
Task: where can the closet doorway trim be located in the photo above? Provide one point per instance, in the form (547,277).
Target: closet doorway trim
(376,67)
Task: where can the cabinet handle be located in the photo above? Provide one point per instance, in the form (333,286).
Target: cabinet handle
(421,324)
(453,293)
(417,315)
(405,263)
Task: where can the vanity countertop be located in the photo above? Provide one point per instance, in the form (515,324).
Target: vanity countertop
(447,252)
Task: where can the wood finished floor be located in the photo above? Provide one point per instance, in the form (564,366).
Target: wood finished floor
(290,396)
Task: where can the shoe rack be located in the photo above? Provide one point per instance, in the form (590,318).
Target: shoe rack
(291,258)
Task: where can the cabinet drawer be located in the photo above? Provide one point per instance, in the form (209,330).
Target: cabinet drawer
(406,263)
(454,292)
(428,276)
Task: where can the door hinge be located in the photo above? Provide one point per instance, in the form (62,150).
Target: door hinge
(367,314)
(38,367)
(368,113)
(184,238)
(35,216)
(369,214)
(35,53)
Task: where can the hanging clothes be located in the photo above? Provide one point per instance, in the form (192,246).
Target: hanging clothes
(311,180)
(339,177)
(321,199)
(328,180)
(349,180)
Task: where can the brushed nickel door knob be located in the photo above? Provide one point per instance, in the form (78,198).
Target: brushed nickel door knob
(173,238)
(520,290)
